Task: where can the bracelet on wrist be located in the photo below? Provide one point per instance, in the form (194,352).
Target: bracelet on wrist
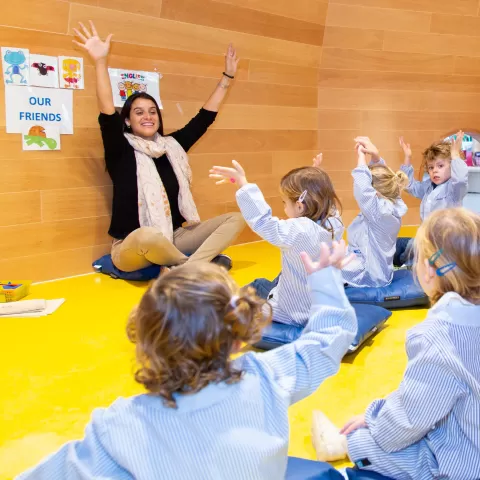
(231,77)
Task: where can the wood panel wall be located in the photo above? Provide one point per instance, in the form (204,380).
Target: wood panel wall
(313,75)
(54,206)
(396,67)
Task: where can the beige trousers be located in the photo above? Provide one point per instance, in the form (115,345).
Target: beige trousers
(204,241)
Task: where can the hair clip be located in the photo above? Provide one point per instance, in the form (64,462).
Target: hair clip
(233,301)
(441,271)
(301,198)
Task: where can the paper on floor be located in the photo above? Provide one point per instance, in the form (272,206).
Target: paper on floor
(29,308)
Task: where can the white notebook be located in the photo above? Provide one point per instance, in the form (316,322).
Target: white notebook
(29,308)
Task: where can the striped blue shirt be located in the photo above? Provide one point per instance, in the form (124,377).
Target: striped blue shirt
(233,432)
(448,194)
(430,427)
(290,299)
(373,234)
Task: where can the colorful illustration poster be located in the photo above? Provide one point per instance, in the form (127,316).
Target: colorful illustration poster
(43,70)
(15,63)
(71,73)
(127,82)
(27,106)
(41,137)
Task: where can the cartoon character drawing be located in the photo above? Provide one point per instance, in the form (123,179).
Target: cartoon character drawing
(121,90)
(43,68)
(71,72)
(142,87)
(37,135)
(129,88)
(16,61)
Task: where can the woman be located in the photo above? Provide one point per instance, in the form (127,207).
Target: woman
(151,176)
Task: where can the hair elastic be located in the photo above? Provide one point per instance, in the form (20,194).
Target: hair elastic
(233,301)
(441,271)
(301,198)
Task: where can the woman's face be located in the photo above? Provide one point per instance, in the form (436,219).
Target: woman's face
(144,119)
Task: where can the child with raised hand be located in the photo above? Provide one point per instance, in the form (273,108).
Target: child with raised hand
(372,235)
(446,186)
(309,199)
(207,416)
(430,426)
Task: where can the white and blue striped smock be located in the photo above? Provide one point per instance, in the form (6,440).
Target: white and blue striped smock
(448,194)
(228,432)
(373,234)
(430,427)
(290,299)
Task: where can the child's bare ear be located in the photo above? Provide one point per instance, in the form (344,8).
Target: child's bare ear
(300,207)
(429,272)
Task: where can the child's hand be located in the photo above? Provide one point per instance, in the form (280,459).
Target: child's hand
(362,159)
(229,175)
(456,147)
(406,150)
(336,258)
(317,161)
(369,148)
(354,424)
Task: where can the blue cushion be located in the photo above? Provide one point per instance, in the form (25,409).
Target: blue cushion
(403,292)
(106,266)
(369,318)
(302,469)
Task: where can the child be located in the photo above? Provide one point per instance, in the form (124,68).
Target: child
(429,427)
(206,416)
(332,222)
(309,199)
(445,187)
(373,234)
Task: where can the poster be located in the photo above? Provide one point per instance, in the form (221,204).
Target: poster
(71,72)
(43,71)
(41,137)
(25,106)
(127,82)
(15,63)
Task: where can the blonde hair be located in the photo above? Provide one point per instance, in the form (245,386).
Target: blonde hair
(186,327)
(388,183)
(320,202)
(456,232)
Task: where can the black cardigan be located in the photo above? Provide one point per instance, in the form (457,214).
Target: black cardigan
(122,168)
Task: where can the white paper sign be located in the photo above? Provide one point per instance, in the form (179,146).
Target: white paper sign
(43,71)
(127,82)
(39,137)
(25,106)
(71,72)
(15,65)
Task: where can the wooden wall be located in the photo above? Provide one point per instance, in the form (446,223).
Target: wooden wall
(396,67)
(54,206)
(313,75)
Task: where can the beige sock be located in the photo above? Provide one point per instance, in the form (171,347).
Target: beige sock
(326,439)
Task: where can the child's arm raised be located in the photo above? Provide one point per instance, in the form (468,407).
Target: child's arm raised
(363,191)
(415,188)
(255,210)
(300,367)
(426,395)
(459,169)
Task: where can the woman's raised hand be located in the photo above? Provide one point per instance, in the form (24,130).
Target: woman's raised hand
(235,175)
(231,61)
(335,258)
(92,42)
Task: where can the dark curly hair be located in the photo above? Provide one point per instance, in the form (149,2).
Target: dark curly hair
(187,325)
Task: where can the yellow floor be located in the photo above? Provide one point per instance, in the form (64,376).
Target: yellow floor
(54,370)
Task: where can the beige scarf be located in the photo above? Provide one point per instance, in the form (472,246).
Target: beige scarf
(153,204)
